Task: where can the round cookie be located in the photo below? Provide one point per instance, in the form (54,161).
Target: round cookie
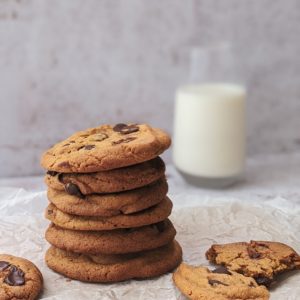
(106,147)
(116,241)
(108,205)
(19,278)
(151,215)
(117,180)
(200,283)
(261,260)
(114,268)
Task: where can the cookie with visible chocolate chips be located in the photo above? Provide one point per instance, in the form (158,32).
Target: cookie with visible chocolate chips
(112,181)
(201,283)
(108,205)
(116,241)
(261,260)
(105,148)
(114,268)
(148,216)
(19,278)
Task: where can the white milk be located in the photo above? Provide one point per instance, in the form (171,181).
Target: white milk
(209,133)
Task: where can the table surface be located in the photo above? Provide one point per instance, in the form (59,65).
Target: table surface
(266,177)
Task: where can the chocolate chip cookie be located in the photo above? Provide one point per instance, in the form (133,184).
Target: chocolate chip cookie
(117,180)
(113,268)
(106,147)
(116,241)
(220,284)
(19,278)
(108,205)
(151,215)
(258,259)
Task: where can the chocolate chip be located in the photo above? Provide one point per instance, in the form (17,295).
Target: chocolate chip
(119,126)
(221,270)
(291,259)
(129,129)
(98,137)
(125,129)
(89,147)
(213,282)
(286,260)
(261,280)
(261,244)
(73,189)
(15,277)
(52,173)
(253,253)
(4,265)
(123,141)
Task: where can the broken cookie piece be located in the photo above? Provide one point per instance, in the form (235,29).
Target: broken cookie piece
(261,260)
(201,283)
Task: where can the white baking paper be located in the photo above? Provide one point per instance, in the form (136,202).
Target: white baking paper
(212,220)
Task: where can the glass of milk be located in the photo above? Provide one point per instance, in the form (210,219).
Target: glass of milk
(209,124)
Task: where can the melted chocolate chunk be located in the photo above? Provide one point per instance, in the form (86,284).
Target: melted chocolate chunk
(263,280)
(73,189)
(118,127)
(98,137)
(221,270)
(286,260)
(4,265)
(129,129)
(125,129)
(290,260)
(213,282)
(52,173)
(254,243)
(15,277)
(253,253)
(123,141)
(89,147)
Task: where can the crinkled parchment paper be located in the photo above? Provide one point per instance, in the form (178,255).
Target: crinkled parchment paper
(213,220)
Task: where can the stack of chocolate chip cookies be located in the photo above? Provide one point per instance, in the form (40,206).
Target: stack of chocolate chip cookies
(108,205)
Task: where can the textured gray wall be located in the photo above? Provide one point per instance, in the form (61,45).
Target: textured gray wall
(67,65)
